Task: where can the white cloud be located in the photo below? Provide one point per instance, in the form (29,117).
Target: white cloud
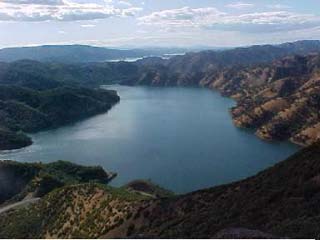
(279,6)
(125,3)
(130,12)
(182,17)
(240,5)
(37,2)
(59,10)
(211,18)
(87,25)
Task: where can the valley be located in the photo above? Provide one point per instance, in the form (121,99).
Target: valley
(170,129)
(272,84)
(141,131)
(158,119)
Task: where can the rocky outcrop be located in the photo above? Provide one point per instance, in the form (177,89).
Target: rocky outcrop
(286,104)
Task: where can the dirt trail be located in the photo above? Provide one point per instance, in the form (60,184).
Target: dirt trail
(18,204)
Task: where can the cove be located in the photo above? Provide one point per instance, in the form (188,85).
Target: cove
(180,138)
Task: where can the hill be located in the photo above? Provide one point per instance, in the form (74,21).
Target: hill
(29,110)
(26,180)
(281,201)
(41,75)
(79,53)
(191,69)
(278,99)
(195,69)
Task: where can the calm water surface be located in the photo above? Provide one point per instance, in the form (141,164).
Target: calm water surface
(181,138)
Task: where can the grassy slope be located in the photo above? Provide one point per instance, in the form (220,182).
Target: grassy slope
(282,200)
(74,211)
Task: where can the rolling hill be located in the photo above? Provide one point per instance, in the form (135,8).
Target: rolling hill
(79,53)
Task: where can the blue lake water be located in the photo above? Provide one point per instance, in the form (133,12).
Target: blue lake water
(180,138)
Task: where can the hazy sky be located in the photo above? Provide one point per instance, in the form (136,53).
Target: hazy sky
(157,22)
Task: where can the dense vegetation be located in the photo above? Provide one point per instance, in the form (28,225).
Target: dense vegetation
(11,140)
(20,180)
(40,75)
(28,110)
(32,98)
(35,96)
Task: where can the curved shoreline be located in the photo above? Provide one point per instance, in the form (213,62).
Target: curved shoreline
(59,107)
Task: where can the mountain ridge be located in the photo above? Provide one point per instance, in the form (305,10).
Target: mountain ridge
(77,53)
(264,90)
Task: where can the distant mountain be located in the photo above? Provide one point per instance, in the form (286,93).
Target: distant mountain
(71,65)
(194,68)
(80,53)
(218,56)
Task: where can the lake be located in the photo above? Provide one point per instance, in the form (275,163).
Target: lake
(180,138)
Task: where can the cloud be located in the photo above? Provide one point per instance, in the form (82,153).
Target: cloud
(37,2)
(130,12)
(87,25)
(212,18)
(270,21)
(182,17)
(59,10)
(240,5)
(124,3)
(279,6)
